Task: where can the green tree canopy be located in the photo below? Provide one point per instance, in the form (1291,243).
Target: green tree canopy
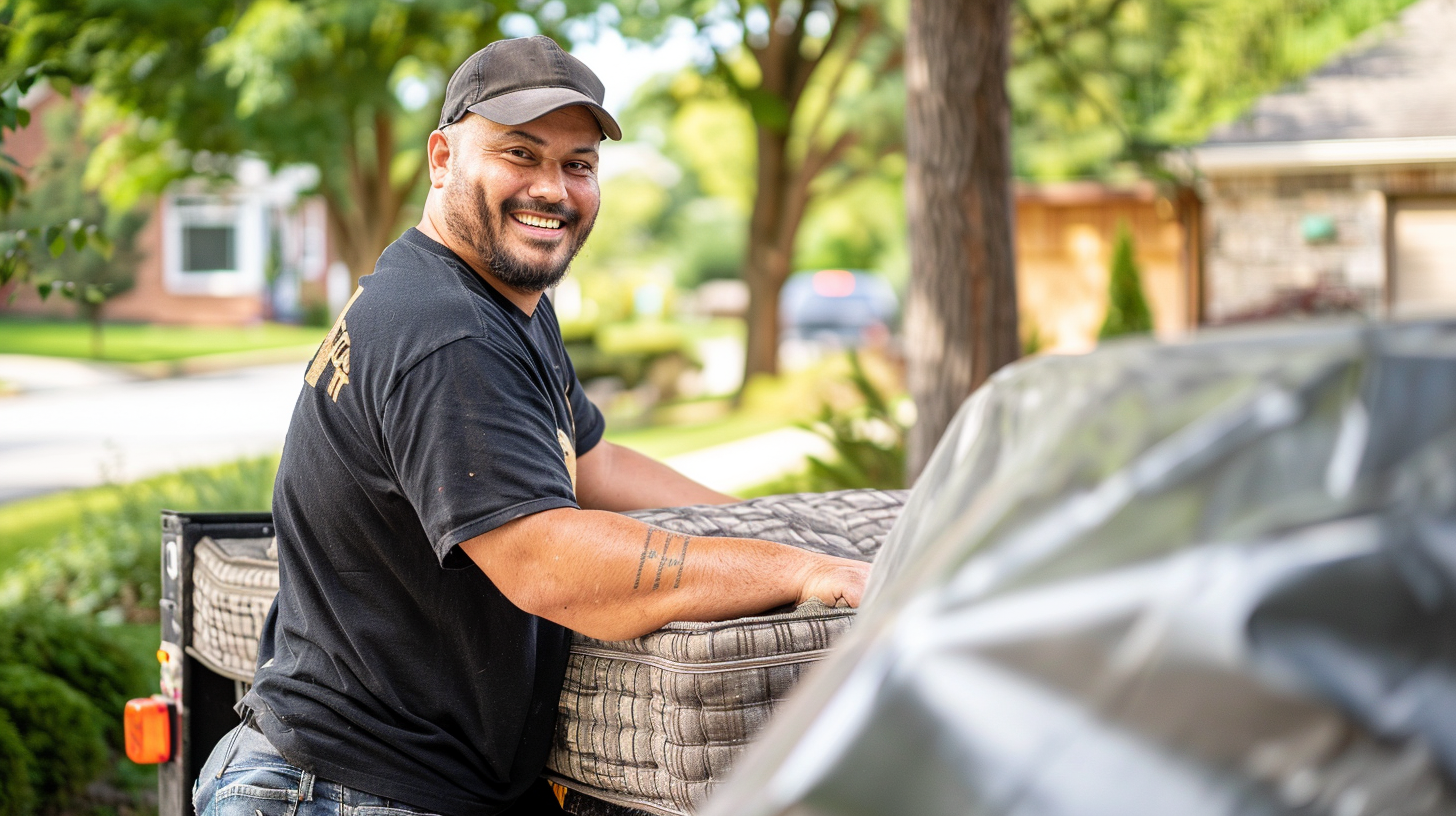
(56,194)
(351,87)
(1102,86)
(821,82)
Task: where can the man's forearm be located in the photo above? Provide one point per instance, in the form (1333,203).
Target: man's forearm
(611,477)
(612,577)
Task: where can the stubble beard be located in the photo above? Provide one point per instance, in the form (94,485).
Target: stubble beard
(473,220)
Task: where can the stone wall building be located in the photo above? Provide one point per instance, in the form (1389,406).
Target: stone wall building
(1343,183)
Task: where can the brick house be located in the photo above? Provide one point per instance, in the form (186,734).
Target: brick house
(255,248)
(1345,181)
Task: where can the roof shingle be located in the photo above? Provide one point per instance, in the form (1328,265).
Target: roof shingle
(1398,81)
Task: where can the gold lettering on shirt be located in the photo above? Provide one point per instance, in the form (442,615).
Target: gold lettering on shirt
(569,451)
(334,349)
(339,356)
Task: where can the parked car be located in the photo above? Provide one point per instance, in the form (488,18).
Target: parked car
(837,307)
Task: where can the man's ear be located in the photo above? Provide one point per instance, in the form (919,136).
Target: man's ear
(437,153)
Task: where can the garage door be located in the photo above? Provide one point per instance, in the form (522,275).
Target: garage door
(1424,283)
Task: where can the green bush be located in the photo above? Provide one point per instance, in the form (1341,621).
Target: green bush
(1127,309)
(868,441)
(77,651)
(17,797)
(109,562)
(61,729)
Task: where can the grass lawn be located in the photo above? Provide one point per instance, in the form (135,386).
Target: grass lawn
(139,343)
(669,440)
(32,524)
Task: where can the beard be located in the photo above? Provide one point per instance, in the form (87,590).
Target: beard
(481,226)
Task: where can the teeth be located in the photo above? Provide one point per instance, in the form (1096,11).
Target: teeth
(537,221)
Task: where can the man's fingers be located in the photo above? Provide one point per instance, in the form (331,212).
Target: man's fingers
(836,582)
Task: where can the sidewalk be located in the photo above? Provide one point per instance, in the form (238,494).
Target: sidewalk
(733,466)
(22,373)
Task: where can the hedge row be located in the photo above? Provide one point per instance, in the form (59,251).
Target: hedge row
(63,683)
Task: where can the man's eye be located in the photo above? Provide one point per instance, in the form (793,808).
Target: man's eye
(579,167)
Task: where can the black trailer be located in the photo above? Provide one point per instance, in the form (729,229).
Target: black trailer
(199,699)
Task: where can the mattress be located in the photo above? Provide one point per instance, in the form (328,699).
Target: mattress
(651,724)
(645,725)
(233,584)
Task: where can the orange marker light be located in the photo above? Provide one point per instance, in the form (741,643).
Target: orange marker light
(148,726)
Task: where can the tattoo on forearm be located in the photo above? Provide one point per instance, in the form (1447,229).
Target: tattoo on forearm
(663,555)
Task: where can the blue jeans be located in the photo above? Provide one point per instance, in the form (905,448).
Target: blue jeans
(256,781)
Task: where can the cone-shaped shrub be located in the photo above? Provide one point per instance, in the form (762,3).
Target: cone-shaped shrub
(1127,309)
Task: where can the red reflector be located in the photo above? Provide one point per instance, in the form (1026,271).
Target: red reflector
(834,283)
(148,725)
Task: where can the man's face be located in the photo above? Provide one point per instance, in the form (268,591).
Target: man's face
(524,197)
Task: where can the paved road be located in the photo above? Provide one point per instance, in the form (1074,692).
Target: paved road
(82,426)
(85,433)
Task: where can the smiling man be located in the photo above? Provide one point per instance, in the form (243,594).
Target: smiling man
(444,506)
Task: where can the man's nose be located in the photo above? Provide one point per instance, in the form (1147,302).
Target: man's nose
(548,183)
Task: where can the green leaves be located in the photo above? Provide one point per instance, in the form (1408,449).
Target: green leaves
(1102,87)
(18,247)
(868,441)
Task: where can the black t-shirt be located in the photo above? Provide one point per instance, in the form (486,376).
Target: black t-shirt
(435,411)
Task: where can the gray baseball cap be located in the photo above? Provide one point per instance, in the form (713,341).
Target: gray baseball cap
(511,82)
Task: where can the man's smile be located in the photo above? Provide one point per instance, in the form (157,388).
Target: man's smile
(537,221)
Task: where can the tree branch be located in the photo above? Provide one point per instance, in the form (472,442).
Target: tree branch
(862,35)
(1069,75)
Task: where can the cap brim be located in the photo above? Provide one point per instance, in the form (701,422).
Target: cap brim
(520,107)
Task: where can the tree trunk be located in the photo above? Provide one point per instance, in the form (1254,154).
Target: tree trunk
(770,253)
(93,316)
(364,216)
(358,242)
(961,311)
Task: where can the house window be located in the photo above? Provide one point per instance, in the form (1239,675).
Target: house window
(208,249)
(215,244)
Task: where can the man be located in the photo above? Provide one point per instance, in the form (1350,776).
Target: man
(443,503)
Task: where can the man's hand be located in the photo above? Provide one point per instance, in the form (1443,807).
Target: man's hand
(834,581)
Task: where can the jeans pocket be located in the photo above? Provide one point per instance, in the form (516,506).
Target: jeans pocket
(256,791)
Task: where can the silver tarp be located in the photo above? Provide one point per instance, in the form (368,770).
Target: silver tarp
(1216,577)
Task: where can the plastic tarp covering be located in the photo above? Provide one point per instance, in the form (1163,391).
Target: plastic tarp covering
(1216,577)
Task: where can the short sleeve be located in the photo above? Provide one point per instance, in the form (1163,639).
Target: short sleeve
(474,441)
(590,425)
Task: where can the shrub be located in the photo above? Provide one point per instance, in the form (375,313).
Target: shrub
(1127,309)
(60,728)
(868,441)
(17,797)
(109,562)
(78,652)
